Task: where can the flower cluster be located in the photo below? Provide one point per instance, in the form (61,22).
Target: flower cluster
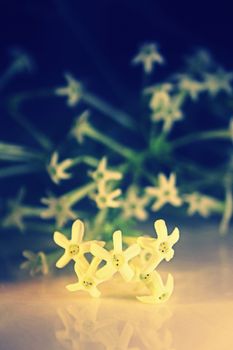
(137,263)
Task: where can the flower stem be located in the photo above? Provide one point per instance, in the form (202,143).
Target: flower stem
(78,194)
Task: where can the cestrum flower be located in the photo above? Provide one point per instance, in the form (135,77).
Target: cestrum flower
(81,126)
(106,199)
(166,192)
(217,82)
(189,85)
(75,247)
(73,90)
(160,98)
(159,292)
(133,206)
(87,279)
(148,56)
(161,247)
(35,263)
(117,260)
(57,171)
(102,174)
(201,204)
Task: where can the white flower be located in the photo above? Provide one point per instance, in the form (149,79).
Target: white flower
(81,125)
(166,192)
(133,206)
(217,82)
(106,199)
(59,209)
(57,171)
(191,86)
(201,204)
(148,55)
(73,90)
(102,174)
(160,98)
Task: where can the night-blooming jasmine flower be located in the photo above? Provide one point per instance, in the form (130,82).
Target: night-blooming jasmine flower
(117,260)
(159,292)
(73,90)
(160,98)
(57,171)
(199,203)
(87,280)
(81,125)
(148,56)
(189,85)
(102,174)
(166,192)
(217,82)
(168,114)
(133,205)
(107,199)
(36,263)
(59,209)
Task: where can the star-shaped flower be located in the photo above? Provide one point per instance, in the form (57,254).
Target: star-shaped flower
(73,90)
(133,206)
(57,171)
(189,85)
(159,292)
(217,82)
(199,203)
(160,98)
(148,56)
(81,125)
(36,263)
(87,280)
(166,192)
(106,199)
(16,212)
(161,247)
(117,260)
(75,247)
(102,174)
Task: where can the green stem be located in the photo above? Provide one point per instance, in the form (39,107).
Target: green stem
(78,194)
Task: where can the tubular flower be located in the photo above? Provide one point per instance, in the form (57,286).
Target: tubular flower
(106,199)
(87,280)
(159,292)
(57,171)
(73,90)
(148,56)
(81,125)
(75,247)
(160,99)
(117,260)
(102,174)
(166,192)
(134,206)
(160,247)
(201,204)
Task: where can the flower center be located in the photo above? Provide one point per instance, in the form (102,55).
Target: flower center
(117,260)
(163,247)
(99,175)
(145,277)
(162,296)
(73,249)
(88,282)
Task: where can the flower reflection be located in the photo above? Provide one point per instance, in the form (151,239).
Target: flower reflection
(102,324)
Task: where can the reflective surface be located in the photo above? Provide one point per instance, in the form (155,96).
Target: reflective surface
(41,314)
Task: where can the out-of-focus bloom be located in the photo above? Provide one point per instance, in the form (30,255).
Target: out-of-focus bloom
(161,247)
(75,248)
(16,213)
(199,62)
(159,292)
(87,280)
(199,203)
(166,192)
(81,125)
(73,90)
(133,206)
(148,56)
(105,199)
(36,263)
(22,61)
(160,98)
(57,171)
(189,85)
(117,260)
(218,82)
(102,174)
(59,208)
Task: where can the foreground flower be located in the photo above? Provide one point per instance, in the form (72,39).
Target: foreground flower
(148,56)
(218,82)
(159,292)
(57,171)
(36,263)
(166,192)
(87,280)
(59,209)
(201,204)
(106,199)
(75,248)
(117,260)
(102,174)
(161,247)
(73,90)
(133,206)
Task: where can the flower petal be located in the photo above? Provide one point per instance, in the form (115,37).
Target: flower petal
(100,252)
(148,299)
(60,239)
(73,287)
(161,229)
(132,251)
(117,241)
(106,272)
(94,292)
(174,236)
(126,272)
(77,232)
(63,261)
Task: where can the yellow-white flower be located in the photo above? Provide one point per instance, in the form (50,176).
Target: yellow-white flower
(191,86)
(16,212)
(160,98)
(148,56)
(117,260)
(81,125)
(159,292)
(199,203)
(73,90)
(36,263)
(57,171)
(87,280)
(217,82)
(102,174)
(133,206)
(166,192)
(58,208)
(105,199)
(161,247)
